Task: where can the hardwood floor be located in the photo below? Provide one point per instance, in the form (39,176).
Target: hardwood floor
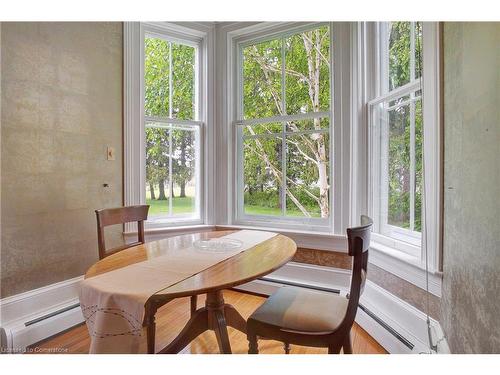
(172,317)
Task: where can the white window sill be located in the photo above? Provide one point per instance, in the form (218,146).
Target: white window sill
(298,225)
(405,266)
(303,239)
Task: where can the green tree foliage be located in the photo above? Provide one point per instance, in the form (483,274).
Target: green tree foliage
(169,93)
(399,121)
(307,89)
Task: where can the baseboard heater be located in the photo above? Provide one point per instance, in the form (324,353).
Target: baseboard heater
(50,315)
(368,312)
(371,314)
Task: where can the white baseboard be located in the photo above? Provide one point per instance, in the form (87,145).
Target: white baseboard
(52,303)
(402,318)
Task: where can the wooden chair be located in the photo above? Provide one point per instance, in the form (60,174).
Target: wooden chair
(312,318)
(122,215)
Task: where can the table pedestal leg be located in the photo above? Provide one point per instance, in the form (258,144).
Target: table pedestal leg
(215,316)
(234,319)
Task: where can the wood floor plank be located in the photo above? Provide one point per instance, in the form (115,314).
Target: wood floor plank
(172,317)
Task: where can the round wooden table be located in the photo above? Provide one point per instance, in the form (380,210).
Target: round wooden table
(216,315)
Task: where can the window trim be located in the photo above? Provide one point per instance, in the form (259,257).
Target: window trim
(134,118)
(169,121)
(385,95)
(267,31)
(431,231)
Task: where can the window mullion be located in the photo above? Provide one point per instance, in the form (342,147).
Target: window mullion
(283,168)
(273,135)
(173,121)
(170,104)
(412,51)
(396,93)
(299,116)
(283,136)
(412,164)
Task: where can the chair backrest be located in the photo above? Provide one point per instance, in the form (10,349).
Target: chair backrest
(358,239)
(120,215)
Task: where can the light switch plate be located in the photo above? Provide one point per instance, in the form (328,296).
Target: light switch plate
(111,153)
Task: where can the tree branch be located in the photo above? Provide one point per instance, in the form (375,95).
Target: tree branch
(278,174)
(264,65)
(296,144)
(318,50)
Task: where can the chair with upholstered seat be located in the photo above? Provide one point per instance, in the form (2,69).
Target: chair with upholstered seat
(306,317)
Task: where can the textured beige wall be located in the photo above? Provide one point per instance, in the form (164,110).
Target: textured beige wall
(471,285)
(61,106)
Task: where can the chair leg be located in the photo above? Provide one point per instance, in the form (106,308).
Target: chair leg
(253,345)
(347,344)
(286,346)
(194,304)
(334,349)
(151,327)
(150,336)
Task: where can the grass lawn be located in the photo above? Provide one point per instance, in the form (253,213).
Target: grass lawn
(179,206)
(187,205)
(259,210)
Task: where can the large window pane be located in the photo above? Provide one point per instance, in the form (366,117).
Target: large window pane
(156,77)
(183,66)
(171,162)
(307,71)
(262,176)
(397,150)
(172,167)
(286,77)
(262,80)
(307,172)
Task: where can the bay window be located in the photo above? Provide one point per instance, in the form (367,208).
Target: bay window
(289,148)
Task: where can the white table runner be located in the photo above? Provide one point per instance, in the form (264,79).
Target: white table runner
(113,303)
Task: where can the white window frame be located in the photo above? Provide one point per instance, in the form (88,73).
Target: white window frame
(353,71)
(410,253)
(267,31)
(134,117)
(407,240)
